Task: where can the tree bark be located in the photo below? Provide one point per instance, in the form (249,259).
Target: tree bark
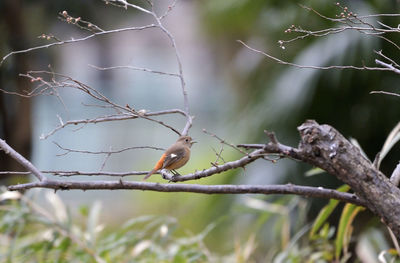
(325,147)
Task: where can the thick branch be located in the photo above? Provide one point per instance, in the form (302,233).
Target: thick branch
(325,147)
(194,188)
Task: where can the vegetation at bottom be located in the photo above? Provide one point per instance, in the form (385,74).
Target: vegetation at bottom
(39,227)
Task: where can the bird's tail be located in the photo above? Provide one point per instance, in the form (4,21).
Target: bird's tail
(157,167)
(149,174)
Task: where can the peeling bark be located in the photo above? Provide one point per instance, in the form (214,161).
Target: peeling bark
(325,147)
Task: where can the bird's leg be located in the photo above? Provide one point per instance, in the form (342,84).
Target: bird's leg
(175,173)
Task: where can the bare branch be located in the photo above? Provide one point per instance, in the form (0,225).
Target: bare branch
(68,150)
(251,157)
(385,92)
(279,61)
(388,66)
(181,77)
(194,188)
(224,142)
(59,43)
(21,160)
(139,69)
(126,4)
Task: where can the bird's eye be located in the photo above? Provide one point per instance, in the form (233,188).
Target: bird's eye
(187,140)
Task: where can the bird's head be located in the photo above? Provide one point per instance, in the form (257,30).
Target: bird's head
(186,140)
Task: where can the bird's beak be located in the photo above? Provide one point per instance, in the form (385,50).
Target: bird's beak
(193,142)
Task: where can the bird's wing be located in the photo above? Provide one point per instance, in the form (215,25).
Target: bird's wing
(172,157)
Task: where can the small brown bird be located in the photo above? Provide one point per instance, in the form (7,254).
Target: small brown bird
(175,156)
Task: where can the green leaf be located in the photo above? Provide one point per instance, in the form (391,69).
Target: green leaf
(391,140)
(314,171)
(345,228)
(326,212)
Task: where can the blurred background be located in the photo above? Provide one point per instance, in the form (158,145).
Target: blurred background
(233,92)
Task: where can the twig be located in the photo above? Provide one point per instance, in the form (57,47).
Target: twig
(68,150)
(384,92)
(388,66)
(224,142)
(189,120)
(59,43)
(279,61)
(139,69)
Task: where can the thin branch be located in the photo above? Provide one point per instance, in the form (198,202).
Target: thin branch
(69,150)
(171,38)
(126,4)
(279,61)
(59,43)
(139,69)
(107,118)
(195,188)
(21,160)
(224,142)
(385,92)
(388,66)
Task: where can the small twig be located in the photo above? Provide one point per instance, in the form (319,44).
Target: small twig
(219,155)
(271,136)
(137,68)
(384,92)
(388,66)
(69,150)
(222,141)
(387,58)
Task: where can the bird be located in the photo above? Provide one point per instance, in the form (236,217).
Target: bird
(175,156)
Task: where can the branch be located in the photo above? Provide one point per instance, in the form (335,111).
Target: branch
(78,173)
(194,188)
(251,157)
(326,148)
(69,150)
(388,66)
(139,69)
(114,117)
(21,160)
(59,43)
(279,61)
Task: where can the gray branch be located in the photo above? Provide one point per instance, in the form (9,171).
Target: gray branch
(195,188)
(21,160)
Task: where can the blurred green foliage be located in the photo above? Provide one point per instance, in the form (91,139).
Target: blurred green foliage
(34,230)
